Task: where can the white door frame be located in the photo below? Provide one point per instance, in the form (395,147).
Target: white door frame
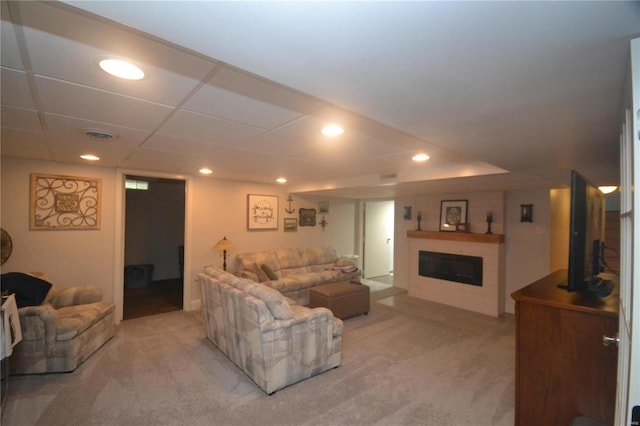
(361,230)
(628,391)
(120,222)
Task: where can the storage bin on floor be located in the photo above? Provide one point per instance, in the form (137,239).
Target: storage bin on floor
(137,276)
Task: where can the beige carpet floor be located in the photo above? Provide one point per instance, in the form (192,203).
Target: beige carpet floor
(409,362)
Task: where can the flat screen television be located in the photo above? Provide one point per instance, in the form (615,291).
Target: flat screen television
(586,238)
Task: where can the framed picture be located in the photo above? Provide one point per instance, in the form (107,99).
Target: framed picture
(262,212)
(64,202)
(452,213)
(323,207)
(407,212)
(290,224)
(307,217)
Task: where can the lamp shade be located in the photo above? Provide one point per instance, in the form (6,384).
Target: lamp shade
(223,245)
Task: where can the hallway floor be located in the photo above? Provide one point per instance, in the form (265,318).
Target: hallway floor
(157,298)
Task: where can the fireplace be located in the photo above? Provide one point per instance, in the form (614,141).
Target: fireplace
(487,265)
(451,267)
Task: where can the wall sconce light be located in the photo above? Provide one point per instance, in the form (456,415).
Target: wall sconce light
(526,212)
(223,246)
(407,212)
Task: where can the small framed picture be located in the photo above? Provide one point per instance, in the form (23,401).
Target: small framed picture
(452,213)
(262,212)
(323,207)
(290,224)
(307,217)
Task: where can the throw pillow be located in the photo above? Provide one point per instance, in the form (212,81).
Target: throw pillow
(29,290)
(261,274)
(267,270)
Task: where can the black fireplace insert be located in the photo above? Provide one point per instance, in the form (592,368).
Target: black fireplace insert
(451,267)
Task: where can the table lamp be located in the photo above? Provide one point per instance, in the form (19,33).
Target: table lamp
(224,246)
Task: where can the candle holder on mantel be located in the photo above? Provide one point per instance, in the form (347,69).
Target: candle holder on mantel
(419,220)
(489,220)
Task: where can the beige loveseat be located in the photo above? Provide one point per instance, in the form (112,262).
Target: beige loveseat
(296,270)
(63,331)
(272,339)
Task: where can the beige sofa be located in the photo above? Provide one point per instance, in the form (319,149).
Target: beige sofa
(272,339)
(296,270)
(63,331)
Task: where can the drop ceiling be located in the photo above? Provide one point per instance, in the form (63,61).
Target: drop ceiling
(501,95)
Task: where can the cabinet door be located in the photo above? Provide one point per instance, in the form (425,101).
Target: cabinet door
(563,370)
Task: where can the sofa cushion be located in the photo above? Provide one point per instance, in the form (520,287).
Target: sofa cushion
(322,255)
(292,258)
(74,320)
(296,271)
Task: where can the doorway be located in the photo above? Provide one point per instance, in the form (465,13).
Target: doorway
(153,245)
(378,241)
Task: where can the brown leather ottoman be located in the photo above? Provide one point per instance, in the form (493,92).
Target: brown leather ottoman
(345,299)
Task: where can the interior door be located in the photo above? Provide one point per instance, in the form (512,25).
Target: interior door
(628,392)
(378,238)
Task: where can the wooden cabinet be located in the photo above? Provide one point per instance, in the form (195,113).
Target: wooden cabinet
(562,368)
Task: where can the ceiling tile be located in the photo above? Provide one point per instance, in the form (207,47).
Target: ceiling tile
(62,128)
(22,119)
(74,60)
(213,101)
(243,83)
(160,142)
(58,22)
(15,89)
(277,144)
(62,98)
(206,129)
(9,51)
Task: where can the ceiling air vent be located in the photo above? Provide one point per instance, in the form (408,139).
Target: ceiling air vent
(99,135)
(389,176)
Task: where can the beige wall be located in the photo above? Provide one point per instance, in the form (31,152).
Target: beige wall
(216,208)
(68,258)
(528,250)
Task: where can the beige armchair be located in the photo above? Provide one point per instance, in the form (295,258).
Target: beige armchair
(59,334)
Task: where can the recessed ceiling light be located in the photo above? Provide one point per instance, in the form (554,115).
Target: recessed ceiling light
(608,189)
(420,157)
(205,171)
(332,130)
(122,69)
(281,180)
(90,157)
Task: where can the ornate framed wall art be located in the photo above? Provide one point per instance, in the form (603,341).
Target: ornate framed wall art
(452,213)
(307,217)
(64,202)
(262,212)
